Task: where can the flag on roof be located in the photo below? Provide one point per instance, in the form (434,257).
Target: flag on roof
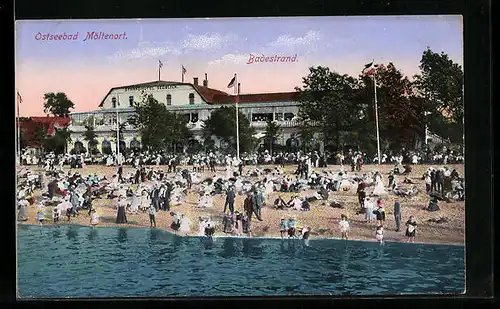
(184,71)
(160,64)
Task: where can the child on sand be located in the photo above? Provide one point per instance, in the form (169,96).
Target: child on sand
(344,226)
(40,216)
(379,234)
(94,218)
(283,227)
(411,226)
(55,214)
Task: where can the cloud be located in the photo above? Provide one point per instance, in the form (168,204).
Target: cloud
(192,43)
(230,59)
(289,41)
(206,41)
(145,50)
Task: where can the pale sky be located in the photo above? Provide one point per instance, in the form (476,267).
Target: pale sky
(86,70)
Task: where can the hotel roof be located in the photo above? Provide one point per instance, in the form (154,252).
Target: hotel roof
(214,96)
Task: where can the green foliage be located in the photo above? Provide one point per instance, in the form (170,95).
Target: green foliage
(331,102)
(273,131)
(222,124)
(440,85)
(159,128)
(400,115)
(57,104)
(58,141)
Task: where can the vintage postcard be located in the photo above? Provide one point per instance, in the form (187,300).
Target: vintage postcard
(240,157)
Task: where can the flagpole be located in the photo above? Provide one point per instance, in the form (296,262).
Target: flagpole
(159,71)
(182,73)
(237,121)
(376,118)
(18,132)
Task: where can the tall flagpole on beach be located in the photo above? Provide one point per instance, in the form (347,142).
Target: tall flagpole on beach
(237,122)
(376,118)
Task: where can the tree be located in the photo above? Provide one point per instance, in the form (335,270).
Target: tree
(440,85)
(306,134)
(159,128)
(91,137)
(57,104)
(400,113)
(273,131)
(331,102)
(222,124)
(59,141)
(39,134)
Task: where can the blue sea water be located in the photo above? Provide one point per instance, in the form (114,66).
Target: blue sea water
(77,261)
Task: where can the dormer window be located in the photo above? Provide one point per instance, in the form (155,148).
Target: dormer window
(169,99)
(113,100)
(191,98)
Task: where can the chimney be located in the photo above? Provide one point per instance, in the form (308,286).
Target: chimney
(195,81)
(205,82)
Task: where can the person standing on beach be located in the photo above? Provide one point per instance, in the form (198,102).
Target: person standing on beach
(229,200)
(248,207)
(94,218)
(411,226)
(121,217)
(120,172)
(257,203)
(152,215)
(397,215)
(344,227)
(380,212)
(379,234)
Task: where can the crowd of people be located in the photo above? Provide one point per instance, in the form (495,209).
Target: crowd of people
(159,182)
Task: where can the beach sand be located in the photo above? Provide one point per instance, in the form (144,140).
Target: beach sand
(322,219)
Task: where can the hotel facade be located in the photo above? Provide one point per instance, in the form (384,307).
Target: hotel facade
(193,100)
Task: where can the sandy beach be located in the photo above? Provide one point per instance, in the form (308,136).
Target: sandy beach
(322,219)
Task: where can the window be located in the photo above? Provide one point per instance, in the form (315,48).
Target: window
(169,99)
(289,116)
(191,98)
(262,117)
(278,116)
(113,100)
(131,100)
(194,117)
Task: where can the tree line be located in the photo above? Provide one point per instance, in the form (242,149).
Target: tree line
(336,108)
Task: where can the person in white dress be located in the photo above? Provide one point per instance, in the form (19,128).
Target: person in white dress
(134,203)
(344,227)
(94,218)
(379,186)
(184,228)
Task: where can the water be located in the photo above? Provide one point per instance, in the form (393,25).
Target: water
(77,261)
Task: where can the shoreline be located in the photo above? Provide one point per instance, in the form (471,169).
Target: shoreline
(223,236)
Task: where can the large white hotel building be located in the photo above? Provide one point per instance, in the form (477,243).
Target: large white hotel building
(193,100)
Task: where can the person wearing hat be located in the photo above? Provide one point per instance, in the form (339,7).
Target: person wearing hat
(152,215)
(121,217)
